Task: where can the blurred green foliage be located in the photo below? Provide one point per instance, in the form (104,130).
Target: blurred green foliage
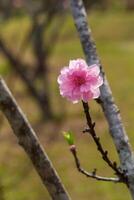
(113,32)
(4,68)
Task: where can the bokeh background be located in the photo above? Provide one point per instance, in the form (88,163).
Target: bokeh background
(38,38)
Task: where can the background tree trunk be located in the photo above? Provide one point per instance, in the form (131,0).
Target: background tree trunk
(130,4)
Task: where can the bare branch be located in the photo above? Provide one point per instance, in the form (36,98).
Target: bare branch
(106,100)
(28,140)
(18,65)
(21,69)
(104,153)
(93,174)
(113,117)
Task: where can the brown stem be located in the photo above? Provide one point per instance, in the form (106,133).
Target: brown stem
(104,153)
(107,103)
(93,174)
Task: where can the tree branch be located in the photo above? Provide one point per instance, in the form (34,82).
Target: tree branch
(15,62)
(30,143)
(20,68)
(93,174)
(106,100)
(104,153)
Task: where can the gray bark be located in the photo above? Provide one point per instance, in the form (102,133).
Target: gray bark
(106,100)
(28,140)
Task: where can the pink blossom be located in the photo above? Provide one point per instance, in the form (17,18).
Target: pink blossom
(79,81)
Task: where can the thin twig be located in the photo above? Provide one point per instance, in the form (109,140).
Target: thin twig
(106,100)
(92,174)
(104,153)
(111,111)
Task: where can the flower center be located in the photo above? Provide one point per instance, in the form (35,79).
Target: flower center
(79,80)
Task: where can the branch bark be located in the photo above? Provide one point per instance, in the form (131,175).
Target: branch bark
(93,174)
(28,140)
(106,100)
(104,153)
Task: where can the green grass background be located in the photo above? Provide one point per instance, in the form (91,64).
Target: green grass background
(114,36)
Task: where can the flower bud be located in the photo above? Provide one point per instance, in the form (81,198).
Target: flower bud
(69,137)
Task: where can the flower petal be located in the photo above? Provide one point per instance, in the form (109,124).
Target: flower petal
(96,93)
(94,70)
(87,96)
(98,81)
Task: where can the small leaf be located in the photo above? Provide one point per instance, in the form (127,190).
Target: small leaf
(69,137)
